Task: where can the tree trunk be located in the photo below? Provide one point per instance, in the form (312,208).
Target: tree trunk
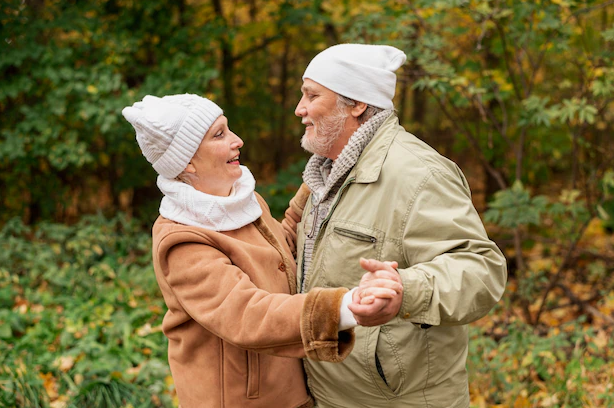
(227,60)
(282,129)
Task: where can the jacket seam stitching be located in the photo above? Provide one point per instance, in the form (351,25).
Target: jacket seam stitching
(423,183)
(425,180)
(428,367)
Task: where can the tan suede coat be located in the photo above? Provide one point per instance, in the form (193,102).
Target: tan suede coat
(235,332)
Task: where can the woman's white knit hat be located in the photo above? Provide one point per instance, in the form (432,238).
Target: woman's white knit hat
(361,72)
(170,129)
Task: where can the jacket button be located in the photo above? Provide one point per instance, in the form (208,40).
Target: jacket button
(406,315)
(282,266)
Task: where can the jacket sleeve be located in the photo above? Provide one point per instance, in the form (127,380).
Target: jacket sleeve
(293,216)
(455,274)
(222,299)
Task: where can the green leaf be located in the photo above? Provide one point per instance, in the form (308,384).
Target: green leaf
(5,331)
(608,35)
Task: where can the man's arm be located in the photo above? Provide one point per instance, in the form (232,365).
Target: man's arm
(456,274)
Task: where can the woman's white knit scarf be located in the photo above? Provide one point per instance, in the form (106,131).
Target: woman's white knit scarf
(184,204)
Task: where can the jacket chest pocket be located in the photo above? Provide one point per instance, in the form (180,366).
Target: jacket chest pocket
(343,245)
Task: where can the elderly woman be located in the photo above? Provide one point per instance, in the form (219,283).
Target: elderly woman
(225,269)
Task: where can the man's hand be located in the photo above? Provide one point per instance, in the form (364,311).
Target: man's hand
(369,307)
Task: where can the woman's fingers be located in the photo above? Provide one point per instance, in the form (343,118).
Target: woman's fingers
(381,293)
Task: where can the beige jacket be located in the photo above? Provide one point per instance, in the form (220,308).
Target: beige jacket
(235,332)
(404,202)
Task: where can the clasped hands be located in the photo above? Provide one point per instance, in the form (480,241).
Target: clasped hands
(379,296)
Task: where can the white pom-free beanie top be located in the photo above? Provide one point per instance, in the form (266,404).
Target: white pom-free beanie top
(170,129)
(361,72)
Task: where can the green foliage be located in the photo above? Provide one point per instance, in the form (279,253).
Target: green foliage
(20,387)
(605,209)
(83,299)
(558,368)
(514,207)
(67,71)
(110,393)
(524,86)
(278,193)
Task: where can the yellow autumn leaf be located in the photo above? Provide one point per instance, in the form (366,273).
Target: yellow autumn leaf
(527,360)
(60,402)
(64,363)
(601,339)
(92,89)
(479,402)
(522,402)
(50,384)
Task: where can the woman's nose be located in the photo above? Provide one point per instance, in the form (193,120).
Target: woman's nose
(238,142)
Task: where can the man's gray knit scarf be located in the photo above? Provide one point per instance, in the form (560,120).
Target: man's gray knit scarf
(324,177)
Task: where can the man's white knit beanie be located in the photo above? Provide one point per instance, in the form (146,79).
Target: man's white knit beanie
(170,129)
(361,72)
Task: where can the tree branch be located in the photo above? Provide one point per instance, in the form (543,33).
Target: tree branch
(554,279)
(263,44)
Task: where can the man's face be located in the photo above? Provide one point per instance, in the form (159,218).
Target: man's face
(324,120)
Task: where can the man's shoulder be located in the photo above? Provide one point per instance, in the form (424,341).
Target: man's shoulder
(413,160)
(408,149)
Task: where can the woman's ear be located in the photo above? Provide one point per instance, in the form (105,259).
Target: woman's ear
(190,168)
(358,109)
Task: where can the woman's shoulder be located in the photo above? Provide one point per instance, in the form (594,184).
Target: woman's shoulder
(169,230)
(263,203)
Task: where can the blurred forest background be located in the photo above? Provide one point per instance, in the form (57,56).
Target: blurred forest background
(518,92)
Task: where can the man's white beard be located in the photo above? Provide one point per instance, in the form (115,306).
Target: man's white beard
(327,131)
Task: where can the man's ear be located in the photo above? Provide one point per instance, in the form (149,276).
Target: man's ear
(190,168)
(358,109)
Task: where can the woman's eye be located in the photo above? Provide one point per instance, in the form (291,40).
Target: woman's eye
(219,134)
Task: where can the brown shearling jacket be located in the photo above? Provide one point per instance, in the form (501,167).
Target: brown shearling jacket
(236,328)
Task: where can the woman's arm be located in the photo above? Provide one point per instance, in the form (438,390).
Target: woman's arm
(293,216)
(222,298)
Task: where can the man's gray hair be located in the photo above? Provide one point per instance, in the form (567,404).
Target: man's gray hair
(371,111)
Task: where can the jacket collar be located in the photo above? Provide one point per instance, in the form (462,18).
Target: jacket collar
(369,164)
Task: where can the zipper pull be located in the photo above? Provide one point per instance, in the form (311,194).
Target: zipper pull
(315,219)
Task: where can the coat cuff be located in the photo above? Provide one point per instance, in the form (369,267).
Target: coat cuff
(322,339)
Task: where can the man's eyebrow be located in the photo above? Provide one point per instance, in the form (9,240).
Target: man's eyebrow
(306,88)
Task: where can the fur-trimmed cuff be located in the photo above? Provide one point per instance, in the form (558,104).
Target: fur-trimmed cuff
(320,326)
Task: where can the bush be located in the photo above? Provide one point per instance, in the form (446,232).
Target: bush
(84,301)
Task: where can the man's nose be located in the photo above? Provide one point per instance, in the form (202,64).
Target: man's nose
(300,110)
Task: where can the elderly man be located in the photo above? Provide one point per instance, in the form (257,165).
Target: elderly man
(379,192)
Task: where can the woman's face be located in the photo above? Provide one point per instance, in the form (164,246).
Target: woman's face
(215,166)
